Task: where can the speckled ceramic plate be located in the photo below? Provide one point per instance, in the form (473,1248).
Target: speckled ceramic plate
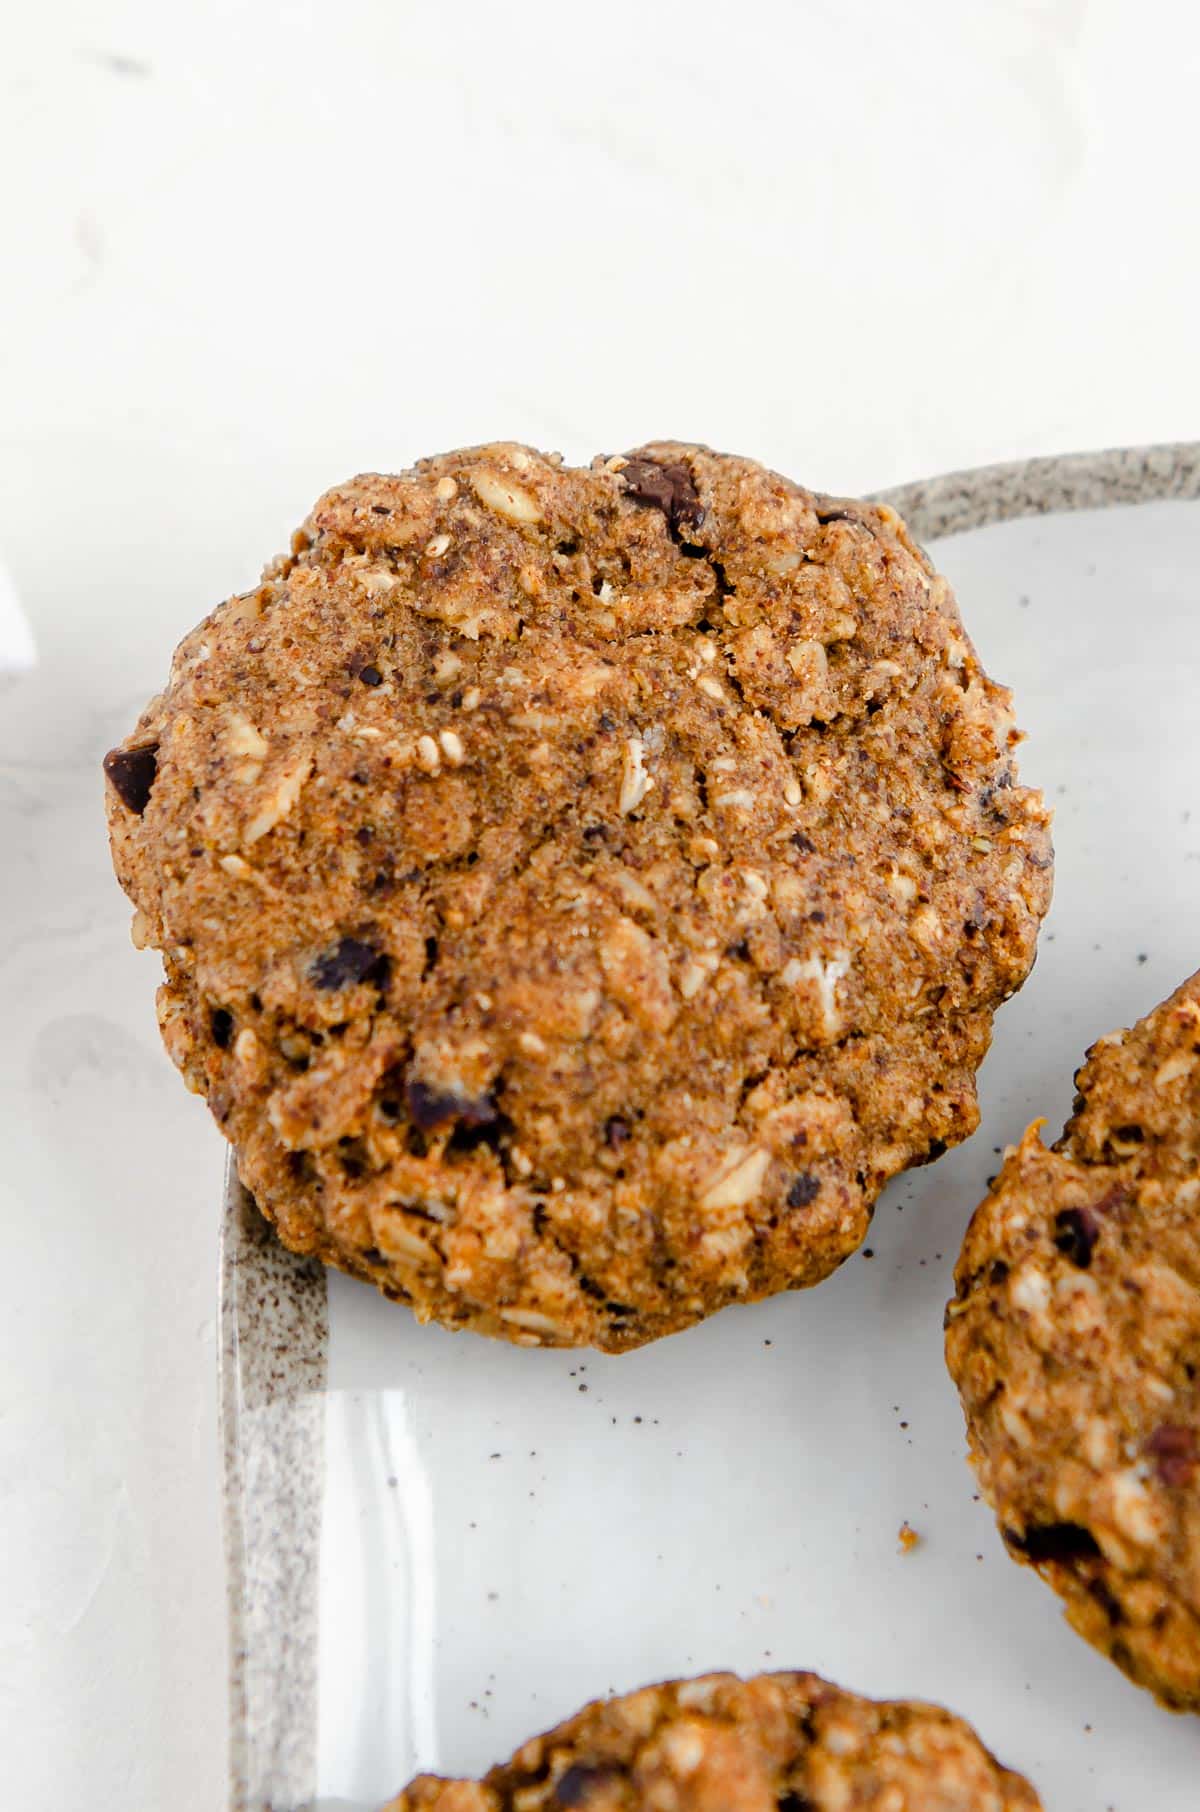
(438,1545)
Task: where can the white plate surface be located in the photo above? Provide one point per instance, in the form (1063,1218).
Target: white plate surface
(505,1534)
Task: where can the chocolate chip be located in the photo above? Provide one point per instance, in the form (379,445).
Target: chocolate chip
(795,1802)
(131,773)
(804,843)
(380,509)
(805,1189)
(616,1131)
(221,1026)
(573,1787)
(837,515)
(998,1272)
(975,921)
(303,1167)
(349,961)
(429,1107)
(1109,1604)
(666,488)
(1176,1453)
(472,1135)
(370,676)
(1076,1231)
(1060,1543)
(353,1157)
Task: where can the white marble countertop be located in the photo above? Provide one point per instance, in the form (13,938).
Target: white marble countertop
(247,248)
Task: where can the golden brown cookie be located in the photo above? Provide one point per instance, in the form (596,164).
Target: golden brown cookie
(580,890)
(1074,1340)
(777,1743)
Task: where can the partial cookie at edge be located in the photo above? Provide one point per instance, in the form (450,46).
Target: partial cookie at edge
(1074,1339)
(785,1742)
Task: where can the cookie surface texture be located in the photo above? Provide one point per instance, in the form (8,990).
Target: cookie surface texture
(786,1742)
(1074,1340)
(581,889)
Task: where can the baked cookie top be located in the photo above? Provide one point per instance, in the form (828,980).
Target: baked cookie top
(581,889)
(784,1742)
(1074,1340)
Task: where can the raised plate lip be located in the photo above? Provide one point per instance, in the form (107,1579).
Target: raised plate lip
(273,1306)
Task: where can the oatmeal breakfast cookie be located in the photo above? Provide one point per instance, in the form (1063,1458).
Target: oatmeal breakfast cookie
(1074,1340)
(777,1743)
(581,889)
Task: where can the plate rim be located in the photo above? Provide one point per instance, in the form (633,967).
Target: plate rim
(273,1306)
